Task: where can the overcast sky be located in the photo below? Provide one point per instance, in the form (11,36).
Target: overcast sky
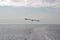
(14,11)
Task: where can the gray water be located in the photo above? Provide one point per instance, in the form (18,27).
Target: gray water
(29,31)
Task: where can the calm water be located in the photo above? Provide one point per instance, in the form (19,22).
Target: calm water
(29,31)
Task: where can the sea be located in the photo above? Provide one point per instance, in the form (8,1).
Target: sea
(29,31)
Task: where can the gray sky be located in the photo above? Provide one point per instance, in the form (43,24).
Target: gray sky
(47,11)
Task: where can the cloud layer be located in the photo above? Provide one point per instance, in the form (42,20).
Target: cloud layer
(31,3)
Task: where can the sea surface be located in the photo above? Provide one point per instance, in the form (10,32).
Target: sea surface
(29,31)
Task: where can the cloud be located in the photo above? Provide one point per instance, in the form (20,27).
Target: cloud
(11,3)
(31,3)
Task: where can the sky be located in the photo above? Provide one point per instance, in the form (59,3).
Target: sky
(14,11)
